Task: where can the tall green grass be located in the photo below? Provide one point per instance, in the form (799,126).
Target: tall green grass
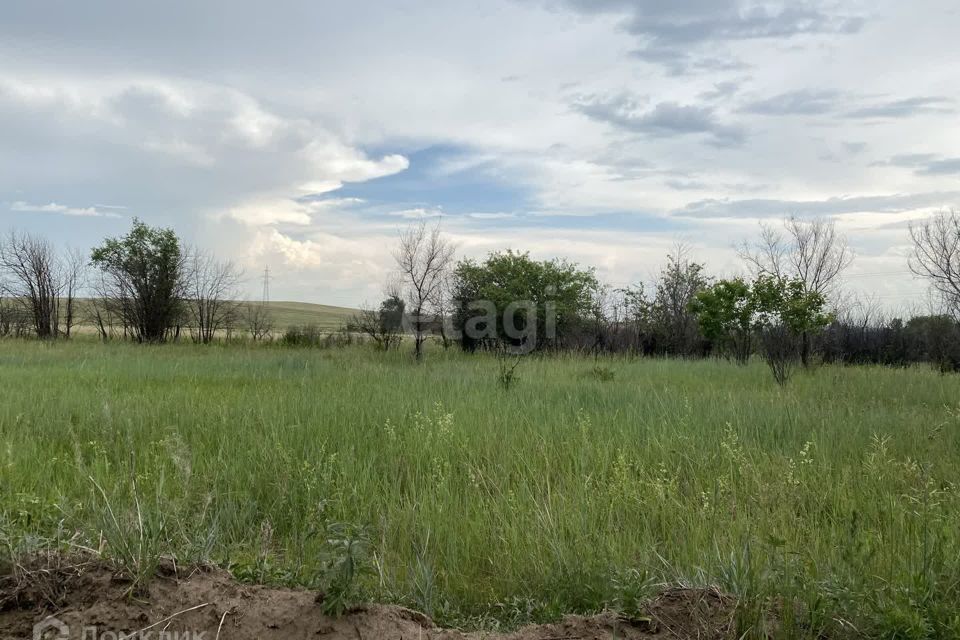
(830,505)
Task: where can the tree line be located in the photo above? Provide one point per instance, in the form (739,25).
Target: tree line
(788,306)
(145,286)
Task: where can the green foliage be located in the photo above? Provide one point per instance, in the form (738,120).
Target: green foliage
(344,559)
(135,534)
(677,287)
(559,291)
(732,307)
(507,372)
(726,313)
(144,272)
(391,313)
(603,374)
(312,335)
(839,498)
(941,336)
(730,312)
(790,303)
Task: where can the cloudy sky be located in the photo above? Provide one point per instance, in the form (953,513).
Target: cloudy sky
(306,134)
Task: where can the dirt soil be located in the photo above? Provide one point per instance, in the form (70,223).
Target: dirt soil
(208,604)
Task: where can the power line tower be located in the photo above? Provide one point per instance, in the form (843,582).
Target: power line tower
(266,286)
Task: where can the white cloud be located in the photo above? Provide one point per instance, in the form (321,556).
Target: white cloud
(270,212)
(276,211)
(491,215)
(113,113)
(417,213)
(323,261)
(53,207)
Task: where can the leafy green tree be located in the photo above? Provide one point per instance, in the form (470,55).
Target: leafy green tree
(790,303)
(726,312)
(732,313)
(391,312)
(787,313)
(512,299)
(144,279)
(810,251)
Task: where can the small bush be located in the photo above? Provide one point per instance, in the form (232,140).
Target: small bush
(345,557)
(311,335)
(603,374)
(302,336)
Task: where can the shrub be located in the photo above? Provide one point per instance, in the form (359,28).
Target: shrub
(310,335)
(603,374)
(307,335)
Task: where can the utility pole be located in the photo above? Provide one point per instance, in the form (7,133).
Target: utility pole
(266,286)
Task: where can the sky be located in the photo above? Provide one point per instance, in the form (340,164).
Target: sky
(306,135)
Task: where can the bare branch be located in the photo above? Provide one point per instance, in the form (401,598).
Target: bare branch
(810,250)
(936,256)
(212,289)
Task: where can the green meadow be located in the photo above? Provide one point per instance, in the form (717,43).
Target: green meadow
(828,507)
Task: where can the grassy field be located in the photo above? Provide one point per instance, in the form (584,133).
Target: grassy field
(830,505)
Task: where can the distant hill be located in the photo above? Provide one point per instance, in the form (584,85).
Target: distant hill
(284,314)
(287,314)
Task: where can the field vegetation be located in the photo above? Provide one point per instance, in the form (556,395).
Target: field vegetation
(499,441)
(828,507)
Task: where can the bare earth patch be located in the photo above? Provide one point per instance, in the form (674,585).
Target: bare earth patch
(210,602)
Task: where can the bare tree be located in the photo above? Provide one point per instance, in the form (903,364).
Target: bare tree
(808,250)
(33,275)
(258,320)
(74,279)
(102,311)
(936,256)
(211,295)
(811,251)
(444,305)
(383,325)
(423,260)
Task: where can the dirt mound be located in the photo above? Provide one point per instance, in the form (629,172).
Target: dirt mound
(208,604)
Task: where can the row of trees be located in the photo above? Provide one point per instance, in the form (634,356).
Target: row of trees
(782,313)
(144,285)
(147,286)
(869,337)
(787,304)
